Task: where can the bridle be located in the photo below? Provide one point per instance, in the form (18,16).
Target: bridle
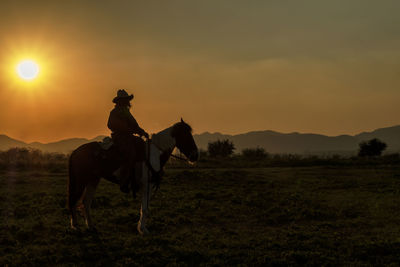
(164,150)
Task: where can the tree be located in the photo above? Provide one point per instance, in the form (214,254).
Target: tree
(220,148)
(373,147)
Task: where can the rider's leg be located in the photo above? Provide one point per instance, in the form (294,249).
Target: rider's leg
(136,182)
(127,172)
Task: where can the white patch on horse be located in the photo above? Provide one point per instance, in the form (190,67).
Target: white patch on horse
(154,157)
(144,209)
(164,140)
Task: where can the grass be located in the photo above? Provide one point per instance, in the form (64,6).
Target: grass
(314,216)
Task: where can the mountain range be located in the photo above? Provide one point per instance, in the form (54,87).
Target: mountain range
(271,141)
(63,146)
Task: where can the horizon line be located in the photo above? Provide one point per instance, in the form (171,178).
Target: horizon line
(205,132)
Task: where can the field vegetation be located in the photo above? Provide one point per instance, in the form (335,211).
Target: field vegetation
(278,211)
(20,159)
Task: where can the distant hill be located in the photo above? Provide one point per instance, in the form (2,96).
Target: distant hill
(274,142)
(390,135)
(7,142)
(301,143)
(63,146)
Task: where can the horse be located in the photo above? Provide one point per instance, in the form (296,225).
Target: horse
(89,163)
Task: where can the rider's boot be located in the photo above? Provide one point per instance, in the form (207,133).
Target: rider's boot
(127,172)
(125,181)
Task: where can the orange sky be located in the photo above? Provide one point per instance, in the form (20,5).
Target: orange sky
(227,66)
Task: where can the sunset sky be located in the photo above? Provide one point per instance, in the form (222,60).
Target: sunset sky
(329,67)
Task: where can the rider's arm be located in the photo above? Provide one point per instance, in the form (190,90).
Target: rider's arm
(134,126)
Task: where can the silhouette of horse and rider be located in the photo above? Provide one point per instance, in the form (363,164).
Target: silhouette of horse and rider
(126,160)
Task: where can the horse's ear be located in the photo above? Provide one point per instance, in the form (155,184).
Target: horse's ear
(182,120)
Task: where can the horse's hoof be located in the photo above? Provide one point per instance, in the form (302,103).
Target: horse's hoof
(143,230)
(75,228)
(75,231)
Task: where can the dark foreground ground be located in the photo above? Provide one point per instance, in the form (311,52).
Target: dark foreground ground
(270,216)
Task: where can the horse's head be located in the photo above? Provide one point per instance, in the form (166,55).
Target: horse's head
(182,132)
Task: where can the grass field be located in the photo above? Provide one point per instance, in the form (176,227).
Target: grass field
(261,216)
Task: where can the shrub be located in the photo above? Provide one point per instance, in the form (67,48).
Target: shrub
(371,148)
(220,148)
(254,153)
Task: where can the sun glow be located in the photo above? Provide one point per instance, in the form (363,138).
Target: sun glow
(30,67)
(27,70)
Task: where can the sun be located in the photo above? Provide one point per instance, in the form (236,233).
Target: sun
(27,70)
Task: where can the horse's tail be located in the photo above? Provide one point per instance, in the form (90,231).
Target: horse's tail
(71,185)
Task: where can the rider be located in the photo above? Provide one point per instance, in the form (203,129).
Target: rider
(123,125)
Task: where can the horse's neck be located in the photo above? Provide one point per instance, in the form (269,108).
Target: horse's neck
(163,140)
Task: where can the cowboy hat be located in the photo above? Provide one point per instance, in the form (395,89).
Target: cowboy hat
(122,94)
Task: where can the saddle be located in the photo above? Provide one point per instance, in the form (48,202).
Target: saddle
(146,152)
(106,143)
(105,149)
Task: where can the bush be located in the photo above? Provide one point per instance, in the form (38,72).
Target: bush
(254,153)
(371,148)
(220,148)
(26,158)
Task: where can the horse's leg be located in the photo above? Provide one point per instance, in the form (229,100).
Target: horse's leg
(144,210)
(88,198)
(74,219)
(74,199)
